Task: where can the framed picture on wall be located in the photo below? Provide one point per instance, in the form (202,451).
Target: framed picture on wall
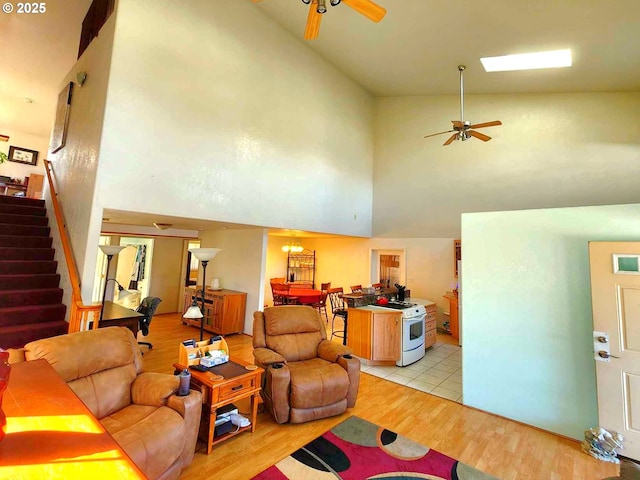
(23,155)
(59,134)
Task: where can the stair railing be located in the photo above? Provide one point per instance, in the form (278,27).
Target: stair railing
(80,314)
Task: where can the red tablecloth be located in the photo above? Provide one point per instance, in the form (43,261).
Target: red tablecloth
(305,295)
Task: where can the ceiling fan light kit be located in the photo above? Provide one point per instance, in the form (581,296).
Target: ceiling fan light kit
(317,8)
(462,128)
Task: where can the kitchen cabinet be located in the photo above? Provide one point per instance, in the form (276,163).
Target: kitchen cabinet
(223,310)
(374,336)
(453,315)
(430,325)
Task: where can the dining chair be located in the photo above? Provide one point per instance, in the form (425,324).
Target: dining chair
(321,305)
(377,286)
(280,292)
(356,288)
(278,280)
(338,309)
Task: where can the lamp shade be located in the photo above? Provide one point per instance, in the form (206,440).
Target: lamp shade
(122,293)
(193,312)
(111,249)
(204,254)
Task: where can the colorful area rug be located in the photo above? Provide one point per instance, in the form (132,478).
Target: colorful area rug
(357,450)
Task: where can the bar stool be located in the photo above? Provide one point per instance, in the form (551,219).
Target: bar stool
(339,309)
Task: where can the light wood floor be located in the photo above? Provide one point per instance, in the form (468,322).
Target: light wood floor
(503,448)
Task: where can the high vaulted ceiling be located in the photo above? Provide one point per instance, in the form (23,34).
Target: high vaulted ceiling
(416,48)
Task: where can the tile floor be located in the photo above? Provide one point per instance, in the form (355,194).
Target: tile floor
(439,372)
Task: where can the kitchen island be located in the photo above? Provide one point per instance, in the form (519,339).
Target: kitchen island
(374,333)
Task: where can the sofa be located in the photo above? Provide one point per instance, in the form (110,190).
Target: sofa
(307,377)
(156,428)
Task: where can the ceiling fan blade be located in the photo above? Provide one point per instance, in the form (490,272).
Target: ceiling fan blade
(440,133)
(451,139)
(367,8)
(486,124)
(481,136)
(312,29)
(457,123)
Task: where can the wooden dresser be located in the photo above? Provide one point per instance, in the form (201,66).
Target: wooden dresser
(223,310)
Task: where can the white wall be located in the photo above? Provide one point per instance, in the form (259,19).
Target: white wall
(552,150)
(76,165)
(232,119)
(528,350)
(239,266)
(24,140)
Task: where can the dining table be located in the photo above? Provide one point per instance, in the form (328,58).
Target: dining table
(305,296)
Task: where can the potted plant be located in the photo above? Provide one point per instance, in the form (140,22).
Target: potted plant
(3,157)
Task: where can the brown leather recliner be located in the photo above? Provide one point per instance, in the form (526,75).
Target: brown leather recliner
(306,376)
(157,429)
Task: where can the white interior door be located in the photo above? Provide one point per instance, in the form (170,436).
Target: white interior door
(615,290)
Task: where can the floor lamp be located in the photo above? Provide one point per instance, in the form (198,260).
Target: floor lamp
(205,255)
(109,251)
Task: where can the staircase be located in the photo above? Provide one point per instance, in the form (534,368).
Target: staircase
(30,297)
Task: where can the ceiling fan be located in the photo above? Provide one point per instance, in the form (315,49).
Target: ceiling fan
(464,130)
(367,8)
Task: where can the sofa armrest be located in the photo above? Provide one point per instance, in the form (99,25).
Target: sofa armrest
(16,355)
(331,351)
(277,386)
(352,366)
(265,357)
(153,389)
(190,407)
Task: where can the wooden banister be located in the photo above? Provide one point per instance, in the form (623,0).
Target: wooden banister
(80,314)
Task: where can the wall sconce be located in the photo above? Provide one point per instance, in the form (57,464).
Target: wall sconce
(81,77)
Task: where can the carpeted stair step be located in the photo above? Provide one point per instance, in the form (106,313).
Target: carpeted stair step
(26,202)
(29,281)
(13,219)
(14,253)
(19,335)
(25,241)
(31,230)
(22,210)
(8,267)
(33,314)
(22,298)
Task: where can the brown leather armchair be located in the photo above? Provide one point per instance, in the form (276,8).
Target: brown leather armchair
(156,428)
(306,376)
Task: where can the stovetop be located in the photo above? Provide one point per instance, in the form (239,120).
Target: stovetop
(398,305)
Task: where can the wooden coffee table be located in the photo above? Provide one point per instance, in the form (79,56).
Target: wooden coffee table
(237,383)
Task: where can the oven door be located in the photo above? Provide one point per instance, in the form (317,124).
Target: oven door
(412,333)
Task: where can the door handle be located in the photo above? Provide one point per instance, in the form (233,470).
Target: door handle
(604,354)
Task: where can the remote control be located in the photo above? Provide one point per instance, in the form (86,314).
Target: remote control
(200,368)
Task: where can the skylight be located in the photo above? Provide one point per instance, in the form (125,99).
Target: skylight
(528,61)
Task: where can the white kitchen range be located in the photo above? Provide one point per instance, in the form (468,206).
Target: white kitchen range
(412,331)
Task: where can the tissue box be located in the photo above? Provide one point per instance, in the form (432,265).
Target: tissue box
(216,358)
